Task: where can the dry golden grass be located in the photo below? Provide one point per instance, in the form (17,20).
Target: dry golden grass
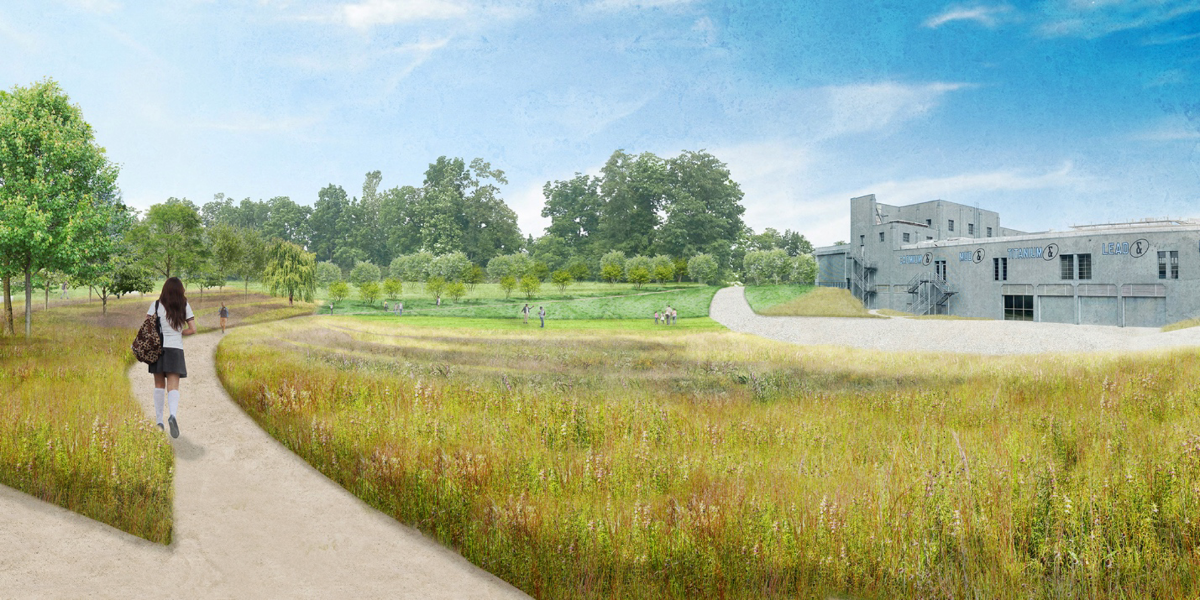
(597,464)
(821,302)
(1185,324)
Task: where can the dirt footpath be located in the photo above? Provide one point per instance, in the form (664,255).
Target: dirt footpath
(730,309)
(251,521)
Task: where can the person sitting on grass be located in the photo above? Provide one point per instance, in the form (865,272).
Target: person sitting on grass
(174,314)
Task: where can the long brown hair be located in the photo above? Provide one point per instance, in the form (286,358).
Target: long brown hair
(174,302)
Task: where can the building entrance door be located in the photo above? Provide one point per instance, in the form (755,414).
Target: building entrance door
(939,267)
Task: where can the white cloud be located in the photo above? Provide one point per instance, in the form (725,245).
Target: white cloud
(988,16)
(874,106)
(922,189)
(617,5)
(369,13)
(1163,40)
(1092,19)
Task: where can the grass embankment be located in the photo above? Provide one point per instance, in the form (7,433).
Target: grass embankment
(583,301)
(819,302)
(762,297)
(71,432)
(1185,324)
(591,464)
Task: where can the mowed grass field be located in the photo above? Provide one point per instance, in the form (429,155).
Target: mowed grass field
(70,431)
(677,464)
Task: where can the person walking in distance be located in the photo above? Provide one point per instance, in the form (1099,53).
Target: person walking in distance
(525,314)
(399,309)
(176,319)
(542,315)
(64,291)
(224,316)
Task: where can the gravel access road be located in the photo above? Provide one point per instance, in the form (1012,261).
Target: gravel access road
(899,334)
(252,520)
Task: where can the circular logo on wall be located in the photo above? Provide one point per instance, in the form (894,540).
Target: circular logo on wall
(1139,248)
(977,256)
(1051,252)
(928,258)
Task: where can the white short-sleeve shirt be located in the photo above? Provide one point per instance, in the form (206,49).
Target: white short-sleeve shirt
(172,338)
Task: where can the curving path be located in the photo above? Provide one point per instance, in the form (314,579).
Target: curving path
(730,309)
(252,520)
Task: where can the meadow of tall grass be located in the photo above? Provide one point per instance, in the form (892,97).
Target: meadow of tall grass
(71,432)
(587,464)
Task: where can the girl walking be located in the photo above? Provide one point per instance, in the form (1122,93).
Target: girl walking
(176,319)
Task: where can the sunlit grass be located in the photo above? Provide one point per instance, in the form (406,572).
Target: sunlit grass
(596,464)
(1185,324)
(820,302)
(762,297)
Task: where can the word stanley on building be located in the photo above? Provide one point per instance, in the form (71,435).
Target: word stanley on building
(944,258)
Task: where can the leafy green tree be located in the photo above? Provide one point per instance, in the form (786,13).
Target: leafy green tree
(634,190)
(509,265)
(551,251)
(435,286)
(338,291)
(663,268)
(579,270)
(132,277)
(416,266)
(368,291)
(459,209)
(365,230)
(171,238)
(58,195)
(703,207)
(225,249)
(508,283)
(530,285)
(804,269)
(450,267)
(573,207)
(329,222)
(364,272)
(347,256)
(473,276)
(680,266)
(612,266)
(102,273)
(639,262)
(218,212)
(392,287)
(328,273)
(796,244)
(395,207)
(291,270)
(254,257)
(702,268)
(288,221)
(396,268)
(766,265)
(638,276)
(207,279)
(456,290)
(562,278)
(539,270)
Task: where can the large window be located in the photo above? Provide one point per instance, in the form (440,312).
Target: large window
(951,224)
(1085,265)
(1000,269)
(1068,266)
(1018,308)
(1168,265)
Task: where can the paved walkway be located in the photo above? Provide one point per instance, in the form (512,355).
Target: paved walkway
(252,520)
(730,309)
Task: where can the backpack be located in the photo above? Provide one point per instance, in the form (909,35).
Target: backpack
(147,345)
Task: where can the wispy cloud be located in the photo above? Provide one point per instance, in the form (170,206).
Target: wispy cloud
(617,5)
(369,13)
(1163,40)
(1092,19)
(1169,132)
(873,106)
(907,191)
(988,16)
(95,6)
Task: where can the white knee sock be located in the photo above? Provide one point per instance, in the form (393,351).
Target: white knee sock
(159,394)
(173,400)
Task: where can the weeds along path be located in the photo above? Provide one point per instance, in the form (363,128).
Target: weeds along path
(729,308)
(252,520)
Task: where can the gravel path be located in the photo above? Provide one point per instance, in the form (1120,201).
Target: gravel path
(730,309)
(252,520)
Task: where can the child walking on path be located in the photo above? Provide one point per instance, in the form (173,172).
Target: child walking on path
(176,319)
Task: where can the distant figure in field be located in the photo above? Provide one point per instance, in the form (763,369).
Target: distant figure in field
(674,316)
(542,315)
(399,309)
(439,301)
(656,317)
(385,306)
(224,316)
(331,308)
(176,319)
(525,314)
(64,291)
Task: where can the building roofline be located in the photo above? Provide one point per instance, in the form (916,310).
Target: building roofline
(1042,235)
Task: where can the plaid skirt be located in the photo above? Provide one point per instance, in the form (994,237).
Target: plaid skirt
(171,361)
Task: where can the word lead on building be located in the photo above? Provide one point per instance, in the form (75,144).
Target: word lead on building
(944,258)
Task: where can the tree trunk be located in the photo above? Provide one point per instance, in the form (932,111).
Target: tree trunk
(289,298)
(8,315)
(103,302)
(47,305)
(28,303)
(247,290)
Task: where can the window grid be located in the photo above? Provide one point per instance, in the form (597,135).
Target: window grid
(1162,265)
(881,236)
(1174,256)
(970,229)
(1085,266)
(989,230)
(1068,266)
(906,238)
(1018,308)
(951,224)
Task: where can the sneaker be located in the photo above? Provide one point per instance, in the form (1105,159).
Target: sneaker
(174,426)
(160,427)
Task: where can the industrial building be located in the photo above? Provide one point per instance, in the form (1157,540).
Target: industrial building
(940,257)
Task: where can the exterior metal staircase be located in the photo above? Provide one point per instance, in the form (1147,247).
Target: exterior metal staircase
(931,293)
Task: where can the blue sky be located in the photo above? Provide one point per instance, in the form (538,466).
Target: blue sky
(1053,113)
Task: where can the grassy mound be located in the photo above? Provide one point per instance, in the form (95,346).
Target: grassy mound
(1185,324)
(70,431)
(599,464)
(762,297)
(820,302)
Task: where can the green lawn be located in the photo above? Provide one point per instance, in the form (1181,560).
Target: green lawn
(762,297)
(691,324)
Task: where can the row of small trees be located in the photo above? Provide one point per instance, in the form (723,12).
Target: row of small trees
(775,266)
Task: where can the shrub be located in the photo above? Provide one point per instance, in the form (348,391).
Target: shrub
(562,279)
(392,287)
(435,286)
(508,265)
(508,283)
(338,291)
(368,291)
(456,290)
(804,269)
(702,268)
(664,268)
(328,273)
(530,285)
(364,272)
(638,276)
(449,267)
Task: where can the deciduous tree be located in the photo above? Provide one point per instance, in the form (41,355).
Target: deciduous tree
(291,270)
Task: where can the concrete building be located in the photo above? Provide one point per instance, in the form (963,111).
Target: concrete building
(940,257)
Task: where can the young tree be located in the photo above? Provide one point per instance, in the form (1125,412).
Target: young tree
(327,274)
(449,267)
(639,262)
(338,291)
(392,287)
(292,270)
(226,249)
(508,283)
(530,285)
(638,276)
(456,290)
(664,268)
(171,238)
(612,266)
(57,187)
(435,286)
(702,268)
(473,276)
(680,269)
(540,270)
(254,257)
(562,278)
(579,270)
(364,272)
(804,269)
(368,291)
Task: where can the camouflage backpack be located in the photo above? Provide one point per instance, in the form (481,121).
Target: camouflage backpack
(147,346)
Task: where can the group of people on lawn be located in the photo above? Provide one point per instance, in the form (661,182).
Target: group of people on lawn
(667,317)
